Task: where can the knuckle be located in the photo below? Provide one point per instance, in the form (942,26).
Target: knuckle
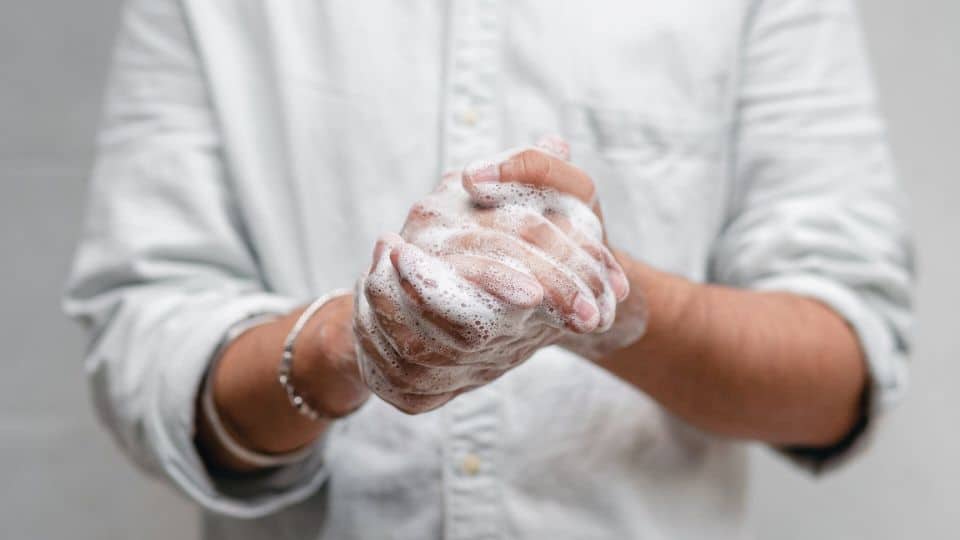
(408,345)
(406,407)
(385,322)
(369,349)
(422,211)
(410,410)
(562,292)
(534,165)
(464,339)
(434,359)
(489,375)
(595,252)
(590,187)
(544,235)
(375,294)
(560,221)
(397,379)
(400,340)
(594,282)
(414,404)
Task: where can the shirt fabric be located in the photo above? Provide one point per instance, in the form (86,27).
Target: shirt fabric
(252,151)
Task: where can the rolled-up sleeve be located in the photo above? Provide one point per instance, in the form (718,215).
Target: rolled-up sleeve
(816,209)
(164,267)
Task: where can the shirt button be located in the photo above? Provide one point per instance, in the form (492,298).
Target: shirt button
(469,117)
(470,464)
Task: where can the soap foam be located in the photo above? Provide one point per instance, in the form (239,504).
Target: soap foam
(487,333)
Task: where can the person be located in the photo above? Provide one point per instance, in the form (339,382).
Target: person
(570,340)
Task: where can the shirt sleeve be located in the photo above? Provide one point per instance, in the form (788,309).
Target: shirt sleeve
(164,266)
(815,208)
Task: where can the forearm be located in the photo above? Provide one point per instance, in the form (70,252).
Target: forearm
(253,406)
(773,367)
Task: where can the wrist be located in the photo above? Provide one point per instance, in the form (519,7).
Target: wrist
(253,405)
(325,368)
(670,306)
(670,303)
(674,302)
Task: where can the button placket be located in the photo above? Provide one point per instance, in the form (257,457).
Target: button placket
(471,130)
(471,486)
(471,127)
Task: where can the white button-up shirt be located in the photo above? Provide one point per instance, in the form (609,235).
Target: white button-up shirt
(253,150)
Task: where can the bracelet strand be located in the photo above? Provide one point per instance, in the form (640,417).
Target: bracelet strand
(220,432)
(285,368)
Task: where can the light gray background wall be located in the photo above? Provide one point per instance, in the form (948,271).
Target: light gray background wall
(61,477)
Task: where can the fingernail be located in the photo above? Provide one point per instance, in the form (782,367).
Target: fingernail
(392,238)
(377,253)
(483,171)
(621,287)
(584,309)
(555,145)
(385,240)
(395,258)
(378,249)
(618,278)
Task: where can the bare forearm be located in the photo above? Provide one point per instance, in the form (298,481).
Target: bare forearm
(773,367)
(254,407)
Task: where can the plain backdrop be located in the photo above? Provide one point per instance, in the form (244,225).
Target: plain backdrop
(61,476)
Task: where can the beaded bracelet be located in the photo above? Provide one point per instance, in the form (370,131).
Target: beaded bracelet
(286,362)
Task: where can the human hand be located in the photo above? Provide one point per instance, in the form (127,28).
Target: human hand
(483,276)
(552,171)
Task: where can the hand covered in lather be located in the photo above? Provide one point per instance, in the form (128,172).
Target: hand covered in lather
(486,271)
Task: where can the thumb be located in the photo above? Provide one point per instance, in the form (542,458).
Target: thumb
(533,167)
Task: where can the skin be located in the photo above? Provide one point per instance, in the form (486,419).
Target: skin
(254,407)
(771,367)
(570,286)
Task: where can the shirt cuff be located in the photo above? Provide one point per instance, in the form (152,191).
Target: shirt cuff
(886,365)
(170,421)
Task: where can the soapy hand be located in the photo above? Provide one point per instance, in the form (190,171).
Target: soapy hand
(485,272)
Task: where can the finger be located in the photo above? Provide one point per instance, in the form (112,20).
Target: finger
(535,168)
(615,273)
(387,240)
(386,373)
(454,305)
(412,341)
(615,285)
(421,214)
(567,301)
(555,145)
(430,216)
(556,236)
(539,232)
(599,252)
(409,378)
(588,267)
(381,294)
(412,338)
(510,286)
(448,178)
(392,377)
(372,349)
(409,403)
(543,234)
(419,404)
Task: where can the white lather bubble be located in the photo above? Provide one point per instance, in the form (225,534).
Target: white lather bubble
(491,332)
